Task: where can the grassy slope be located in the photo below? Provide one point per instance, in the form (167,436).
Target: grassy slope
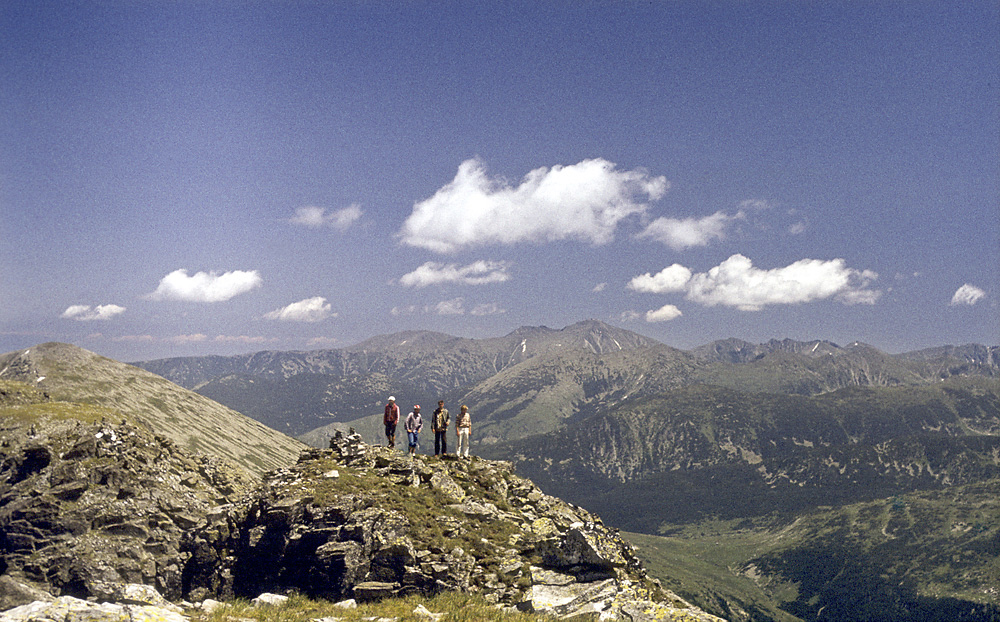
(197,424)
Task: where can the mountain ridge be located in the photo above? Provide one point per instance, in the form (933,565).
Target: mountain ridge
(185,417)
(535,379)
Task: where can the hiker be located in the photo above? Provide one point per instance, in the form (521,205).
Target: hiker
(439,425)
(414,423)
(463,429)
(390,419)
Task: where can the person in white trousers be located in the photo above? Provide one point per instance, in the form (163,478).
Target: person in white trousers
(463,429)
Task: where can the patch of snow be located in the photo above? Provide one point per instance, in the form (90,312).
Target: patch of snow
(40,378)
(524,345)
(4,370)
(617,344)
(814,347)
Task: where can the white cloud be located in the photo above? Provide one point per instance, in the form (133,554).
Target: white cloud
(663,314)
(455,306)
(754,204)
(205,286)
(680,234)
(186,339)
(135,339)
(315,217)
(737,283)
(967,294)
(599,287)
(583,201)
(194,338)
(314,309)
(489,308)
(86,313)
(477,273)
(244,339)
(671,279)
(629,316)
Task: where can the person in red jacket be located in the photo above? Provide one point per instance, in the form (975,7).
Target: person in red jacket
(390,419)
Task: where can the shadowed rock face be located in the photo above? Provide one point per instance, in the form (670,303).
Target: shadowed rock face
(85,503)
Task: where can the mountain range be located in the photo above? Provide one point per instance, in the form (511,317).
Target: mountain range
(536,379)
(783,444)
(779,480)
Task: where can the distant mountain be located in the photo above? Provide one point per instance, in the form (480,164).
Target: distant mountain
(535,379)
(300,391)
(71,374)
(739,351)
(701,451)
(948,361)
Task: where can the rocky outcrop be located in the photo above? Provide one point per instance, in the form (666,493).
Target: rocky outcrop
(366,523)
(101,511)
(86,504)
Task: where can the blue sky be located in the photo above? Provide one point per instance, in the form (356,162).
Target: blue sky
(182,178)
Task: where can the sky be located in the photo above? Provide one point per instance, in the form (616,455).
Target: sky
(185,178)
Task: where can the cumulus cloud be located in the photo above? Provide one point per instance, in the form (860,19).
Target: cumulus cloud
(967,294)
(476,273)
(205,286)
(680,234)
(737,283)
(663,314)
(583,201)
(86,313)
(316,217)
(314,309)
(673,278)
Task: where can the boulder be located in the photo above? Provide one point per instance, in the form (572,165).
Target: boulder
(71,609)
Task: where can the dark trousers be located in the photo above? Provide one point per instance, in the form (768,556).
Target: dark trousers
(441,443)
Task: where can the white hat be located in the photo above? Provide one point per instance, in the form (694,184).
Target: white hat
(392,399)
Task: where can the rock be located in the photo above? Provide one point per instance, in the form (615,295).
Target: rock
(70,609)
(422,612)
(269,600)
(209,605)
(14,593)
(589,547)
(85,504)
(369,591)
(129,594)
